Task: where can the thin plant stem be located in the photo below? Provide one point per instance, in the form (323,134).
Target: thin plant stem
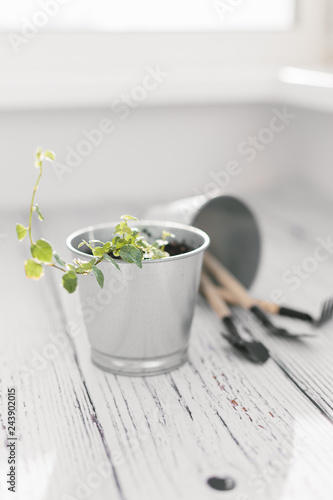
(57,267)
(32,202)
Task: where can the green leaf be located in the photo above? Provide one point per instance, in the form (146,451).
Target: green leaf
(113,261)
(142,244)
(96,241)
(39,155)
(107,246)
(99,276)
(165,234)
(42,250)
(118,242)
(49,155)
(33,269)
(83,242)
(129,238)
(21,231)
(98,251)
(69,281)
(158,254)
(78,270)
(128,217)
(159,243)
(38,212)
(86,266)
(129,253)
(58,259)
(91,263)
(122,228)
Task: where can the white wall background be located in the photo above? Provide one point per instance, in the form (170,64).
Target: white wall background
(155,154)
(161,154)
(315,150)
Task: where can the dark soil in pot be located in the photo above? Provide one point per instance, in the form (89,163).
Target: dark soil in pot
(173,248)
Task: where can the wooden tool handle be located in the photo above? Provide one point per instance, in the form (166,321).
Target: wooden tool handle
(268,307)
(209,290)
(226,279)
(229,297)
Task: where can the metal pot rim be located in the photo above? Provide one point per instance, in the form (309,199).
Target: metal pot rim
(139,224)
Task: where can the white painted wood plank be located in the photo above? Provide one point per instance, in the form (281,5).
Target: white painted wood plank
(163,435)
(290,230)
(214,422)
(218,414)
(58,437)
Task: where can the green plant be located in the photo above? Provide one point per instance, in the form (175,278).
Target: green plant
(126,244)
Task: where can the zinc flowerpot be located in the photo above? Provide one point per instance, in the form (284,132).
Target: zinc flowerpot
(140,322)
(232,228)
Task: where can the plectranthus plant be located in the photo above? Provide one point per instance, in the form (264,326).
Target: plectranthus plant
(126,244)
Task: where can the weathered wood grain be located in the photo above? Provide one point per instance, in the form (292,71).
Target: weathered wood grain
(85,433)
(57,432)
(291,230)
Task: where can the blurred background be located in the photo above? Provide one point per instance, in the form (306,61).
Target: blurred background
(146,102)
(150,101)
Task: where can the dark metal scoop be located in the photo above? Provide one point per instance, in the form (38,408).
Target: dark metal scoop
(253,350)
(275,330)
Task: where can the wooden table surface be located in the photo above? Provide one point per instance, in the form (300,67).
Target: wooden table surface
(84,433)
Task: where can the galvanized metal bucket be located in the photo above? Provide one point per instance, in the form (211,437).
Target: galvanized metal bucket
(231,226)
(140,322)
